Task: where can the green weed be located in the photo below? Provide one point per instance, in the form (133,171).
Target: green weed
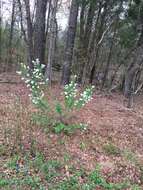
(50,174)
(68,129)
(50,169)
(130,156)
(111,149)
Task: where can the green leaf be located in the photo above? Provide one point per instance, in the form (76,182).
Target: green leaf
(59,128)
(59,108)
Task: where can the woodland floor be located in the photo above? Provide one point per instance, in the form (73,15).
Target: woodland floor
(113,140)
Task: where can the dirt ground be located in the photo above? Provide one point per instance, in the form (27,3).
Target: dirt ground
(114,138)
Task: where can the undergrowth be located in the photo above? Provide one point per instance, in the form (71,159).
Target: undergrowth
(39,174)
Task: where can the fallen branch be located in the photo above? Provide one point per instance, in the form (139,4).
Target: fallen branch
(139,88)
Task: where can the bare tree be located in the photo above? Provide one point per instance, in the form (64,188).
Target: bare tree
(48,17)
(29,34)
(99,37)
(21,20)
(52,39)
(66,73)
(11,33)
(135,66)
(112,43)
(85,34)
(39,30)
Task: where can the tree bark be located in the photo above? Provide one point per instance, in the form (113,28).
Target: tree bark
(96,49)
(129,87)
(84,41)
(66,73)
(112,44)
(135,65)
(29,34)
(39,31)
(21,21)
(52,38)
(48,18)
(11,35)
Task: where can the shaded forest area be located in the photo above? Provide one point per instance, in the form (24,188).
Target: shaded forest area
(102,43)
(71,84)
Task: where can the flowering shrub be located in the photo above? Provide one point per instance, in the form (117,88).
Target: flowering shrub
(70,92)
(33,81)
(71,95)
(72,98)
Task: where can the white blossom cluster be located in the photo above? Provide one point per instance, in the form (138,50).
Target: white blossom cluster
(33,79)
(87,94)
(70,92)
(85,97)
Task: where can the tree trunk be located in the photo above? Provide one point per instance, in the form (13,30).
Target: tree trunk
(135,66)
(48,18)
(129,87)
(11,36)
(95,53)
(52,38)
(66,73)
(85,41)
(39,31)
(112,44)
(29,34)
(21,21)
(80,57)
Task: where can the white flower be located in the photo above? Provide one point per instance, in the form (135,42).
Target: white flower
(27,81)
(19,72)
(34,101)
(22,64)
(28,85)
(43,66)
(36,62)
